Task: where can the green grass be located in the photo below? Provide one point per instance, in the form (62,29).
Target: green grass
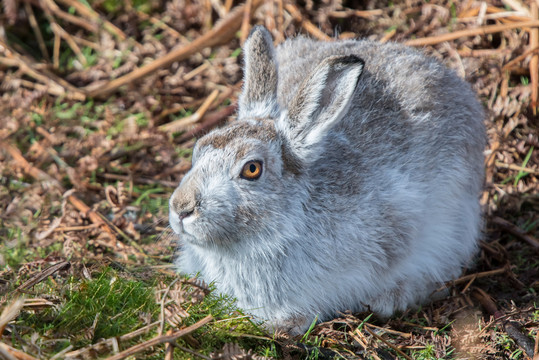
(106,306)
(113,303)
(428,353)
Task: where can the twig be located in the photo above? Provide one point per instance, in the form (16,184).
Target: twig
(60,355)
(388,35)
(519,58)
(359,13)
(50,6)
(56,51)
(515,4)
(211,120)
(391,331)
(161,339)
(309,26)
(139,180)
(219,8)
(57,29)
(511,328)
(534,61)
(35,28)
(399,351)
(12,353)
(36,279)
(75,228)
(56,84)
(516,231)
(183,123)
(466,278)
(182,348)
(169,349)
(139,251)
(4,354)
(228,5)
(245,21)
(221,33)
(9,313)
(107,342)
(536,347)
(517,167)
(89,13)
(199,69)
(27,167)
(280,21)
(92,215)
(159,23)
(37,303)
(494,13)
(163,300)
(433,40)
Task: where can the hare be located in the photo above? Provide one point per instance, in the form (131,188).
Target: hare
(349,181)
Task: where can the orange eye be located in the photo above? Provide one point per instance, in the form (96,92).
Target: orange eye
(251,170)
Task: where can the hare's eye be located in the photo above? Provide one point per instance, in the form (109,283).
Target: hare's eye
(251,170)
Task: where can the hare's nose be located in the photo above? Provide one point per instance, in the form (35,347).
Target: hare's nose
(183,205)
(184,201)
(185,214)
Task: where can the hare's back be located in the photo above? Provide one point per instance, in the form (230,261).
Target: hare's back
(393,73)
(409,111)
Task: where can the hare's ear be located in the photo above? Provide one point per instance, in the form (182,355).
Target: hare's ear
(259,96)
(323,99)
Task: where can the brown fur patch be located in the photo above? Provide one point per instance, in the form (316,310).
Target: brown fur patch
(263,130)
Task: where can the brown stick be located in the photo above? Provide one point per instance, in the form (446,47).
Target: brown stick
(36,279)
(49,5)
(399,351)
(210,120)
(309,26)
(80,353)
(35,28)
(161,339)
(516,231)
(221,33)
(479,275)
(94,218)
(89,13)
(534,62)
(183,123)
(56,84)
(519,58)
(169,349)
(494,10)
(516,167)
(359,13)
(511,328)
(245,21)
(12,353)
(27,167)
(433,40)
(56,51)
(536,347)
(10,312)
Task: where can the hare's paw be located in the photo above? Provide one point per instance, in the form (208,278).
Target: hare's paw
(294,325)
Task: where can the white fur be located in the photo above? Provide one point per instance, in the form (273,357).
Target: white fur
(368,198)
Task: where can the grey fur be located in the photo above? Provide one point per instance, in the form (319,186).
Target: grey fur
(368,197)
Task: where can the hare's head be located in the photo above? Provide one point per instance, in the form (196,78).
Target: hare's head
(250,175)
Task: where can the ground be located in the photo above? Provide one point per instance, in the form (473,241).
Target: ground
(101,103)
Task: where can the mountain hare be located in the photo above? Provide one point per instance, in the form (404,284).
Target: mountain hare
(349,181)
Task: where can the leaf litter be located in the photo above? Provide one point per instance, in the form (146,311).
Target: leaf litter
(99,108)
